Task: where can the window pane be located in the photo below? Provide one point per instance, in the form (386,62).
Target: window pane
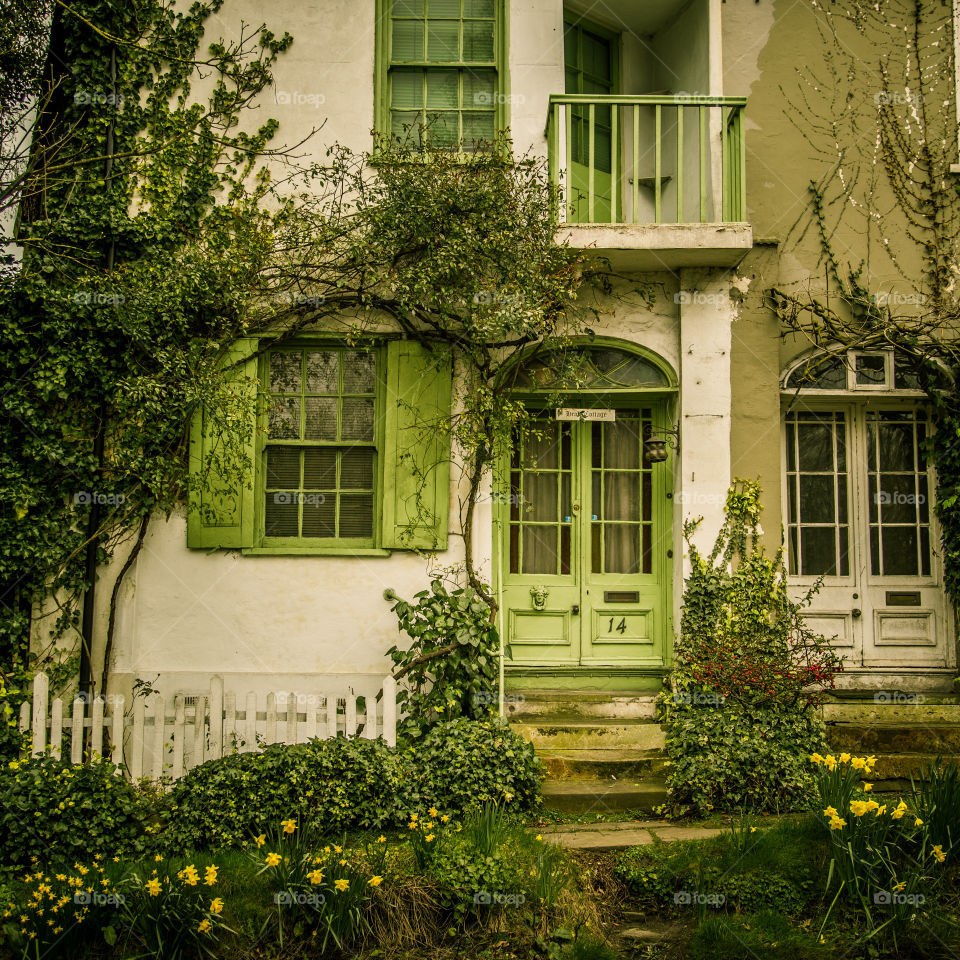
(356,516)
(541,451)
(539,549)
(359,373)
(357,419)
(897,498)
(408,8)
(596,56)
(871,369)
(478,8)
(621,499)
(442,88)
(282,511)
(815,446)
(403,125)
(283,419)
(899,551)
(283,467)
(323,371)
(321,418)
(444,8)
(818,551)
(407,40)
(478,88)
(319,468)
(442,129)
(540,492)
(816,499)
(478,128)
(621,548)
(896,446)
(319,515)
(443,41)
(407,88)
(284,372)
(478,40)
(356,469)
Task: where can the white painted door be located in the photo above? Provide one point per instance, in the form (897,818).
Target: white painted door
(858,508)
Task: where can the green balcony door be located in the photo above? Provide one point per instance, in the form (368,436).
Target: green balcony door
(591,62)
(585,528)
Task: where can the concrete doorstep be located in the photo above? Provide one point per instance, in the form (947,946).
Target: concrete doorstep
(620,836)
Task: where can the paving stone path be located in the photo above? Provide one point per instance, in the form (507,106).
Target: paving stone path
(617,836)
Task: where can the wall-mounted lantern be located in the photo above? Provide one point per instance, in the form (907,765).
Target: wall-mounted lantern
(656,443)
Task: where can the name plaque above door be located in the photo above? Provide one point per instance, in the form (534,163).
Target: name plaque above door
(577,413)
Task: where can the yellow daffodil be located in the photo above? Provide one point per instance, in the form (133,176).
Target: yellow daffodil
(375,881)
(444,819)
(153,887)
(341,885)
(412,825)
(338,849)
(539,836)
(205,926)
(434,812)
(288,825)
(938,853)
(315,877)
(381,839)
(897,887)
(260,841)
(753,829)
(837,823)
(428,837)
(867,787)
(158,858)
(210,876)
(216,906)
(918,822)
(343,863)
(858,763)
(273,859)
(816,758)
(830,812)
(844,757)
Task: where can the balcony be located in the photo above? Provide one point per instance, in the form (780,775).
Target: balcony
(651,182)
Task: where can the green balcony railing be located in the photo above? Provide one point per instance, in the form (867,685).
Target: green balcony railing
(648,159)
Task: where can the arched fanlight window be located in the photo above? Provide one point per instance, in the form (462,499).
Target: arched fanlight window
(598,368)
(860,370)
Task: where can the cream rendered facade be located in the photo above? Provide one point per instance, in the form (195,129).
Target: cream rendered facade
(276,623)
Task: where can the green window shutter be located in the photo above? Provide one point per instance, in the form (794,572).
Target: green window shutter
(221,509)
(416,468)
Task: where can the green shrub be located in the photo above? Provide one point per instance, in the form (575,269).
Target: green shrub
(333,784)
(741,716)
(59,813)
(464,764)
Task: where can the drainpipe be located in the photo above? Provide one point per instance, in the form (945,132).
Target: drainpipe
(93,521)
(499,549)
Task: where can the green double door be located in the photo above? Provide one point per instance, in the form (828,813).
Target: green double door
(586,545)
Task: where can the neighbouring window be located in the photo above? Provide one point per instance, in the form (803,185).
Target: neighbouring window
(443,72)
(320,453)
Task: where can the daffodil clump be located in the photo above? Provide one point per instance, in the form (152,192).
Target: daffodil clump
(426,833)
(173,906)
(319,886)
(60,906)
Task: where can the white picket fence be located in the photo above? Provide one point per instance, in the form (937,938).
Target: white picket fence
(165,737)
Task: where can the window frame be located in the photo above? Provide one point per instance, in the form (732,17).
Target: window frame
(318,546)
(382,64)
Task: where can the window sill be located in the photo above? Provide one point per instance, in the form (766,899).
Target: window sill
(311,551)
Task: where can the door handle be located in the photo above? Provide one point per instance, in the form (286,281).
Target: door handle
(856,613)
(575,609)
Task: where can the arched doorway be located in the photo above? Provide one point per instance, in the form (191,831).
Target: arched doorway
(583,516)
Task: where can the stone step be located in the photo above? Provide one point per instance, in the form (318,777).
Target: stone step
(898,767)
(893,738)
(916,710)
(642,734)
(602,796)
(603,764)
(577,705)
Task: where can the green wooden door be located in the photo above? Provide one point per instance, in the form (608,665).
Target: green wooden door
(590,55)
(585,545)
